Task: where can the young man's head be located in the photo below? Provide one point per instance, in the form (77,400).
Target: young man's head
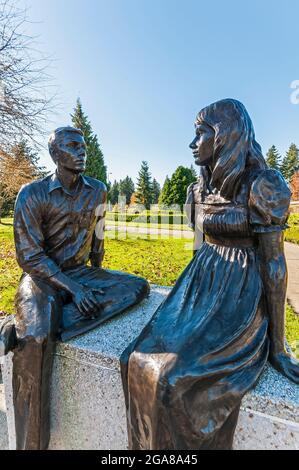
(67,148)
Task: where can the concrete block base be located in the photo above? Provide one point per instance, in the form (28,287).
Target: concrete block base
(87,403)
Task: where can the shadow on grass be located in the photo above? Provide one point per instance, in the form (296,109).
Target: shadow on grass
(6,223)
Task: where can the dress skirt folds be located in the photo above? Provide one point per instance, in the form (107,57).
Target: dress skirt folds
(185,375)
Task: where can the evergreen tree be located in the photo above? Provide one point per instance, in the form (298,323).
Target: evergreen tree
(22,151)
(156,191)
(114,193)
(127,188)
(175,190)
(290,163)
(273,158)
(165,191)
(144,189)
(95,165)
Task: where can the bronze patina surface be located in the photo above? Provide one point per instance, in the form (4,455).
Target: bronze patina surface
(58,227)
(185,375)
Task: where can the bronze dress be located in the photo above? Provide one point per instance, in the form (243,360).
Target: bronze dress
(206,345)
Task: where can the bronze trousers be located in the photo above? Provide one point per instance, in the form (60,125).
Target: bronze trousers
(43,315)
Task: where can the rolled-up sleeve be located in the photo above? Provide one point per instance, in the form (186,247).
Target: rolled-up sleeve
(28,235)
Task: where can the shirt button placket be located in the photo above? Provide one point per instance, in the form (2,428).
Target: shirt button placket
(70,217)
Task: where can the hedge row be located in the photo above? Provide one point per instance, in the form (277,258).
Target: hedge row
(157,218)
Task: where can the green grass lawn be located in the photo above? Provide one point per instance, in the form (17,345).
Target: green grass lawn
(144,225)
(160,261)
(9,270)
(292,233)
(292,329)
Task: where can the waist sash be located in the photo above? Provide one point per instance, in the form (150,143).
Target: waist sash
(231,242)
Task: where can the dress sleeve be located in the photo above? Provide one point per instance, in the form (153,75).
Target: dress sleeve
(269,201)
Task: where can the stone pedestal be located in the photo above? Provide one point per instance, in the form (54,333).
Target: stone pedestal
(87,403)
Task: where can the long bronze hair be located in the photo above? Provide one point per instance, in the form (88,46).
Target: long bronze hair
(235,147)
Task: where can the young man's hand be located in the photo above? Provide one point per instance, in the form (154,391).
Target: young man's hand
(86,301)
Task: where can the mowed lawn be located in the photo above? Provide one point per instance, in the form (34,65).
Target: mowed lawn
(292,233)
(160,261)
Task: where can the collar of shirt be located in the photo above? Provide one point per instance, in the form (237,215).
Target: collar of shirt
(54,183)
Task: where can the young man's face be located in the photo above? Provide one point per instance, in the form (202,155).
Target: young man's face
(71,152)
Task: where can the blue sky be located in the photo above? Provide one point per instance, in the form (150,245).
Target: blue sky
(143,69)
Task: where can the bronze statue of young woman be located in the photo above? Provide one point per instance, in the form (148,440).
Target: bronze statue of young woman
(185,375)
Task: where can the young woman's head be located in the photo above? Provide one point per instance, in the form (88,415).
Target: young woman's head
(225,142)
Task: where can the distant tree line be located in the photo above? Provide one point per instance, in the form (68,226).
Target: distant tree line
(121,188)
(148,190)
(19,164)
(287,165)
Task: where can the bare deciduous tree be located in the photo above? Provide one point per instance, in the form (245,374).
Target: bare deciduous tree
(17,167)
(24,82)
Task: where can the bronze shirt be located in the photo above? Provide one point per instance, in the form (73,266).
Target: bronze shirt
(55,229)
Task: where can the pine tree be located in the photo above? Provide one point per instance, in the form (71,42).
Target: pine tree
(290,163)
(174,191)
(95,166)
(127,188)
(165,191)
(22,151)
(114,193)
(144,189)
(156,191)
(273,158)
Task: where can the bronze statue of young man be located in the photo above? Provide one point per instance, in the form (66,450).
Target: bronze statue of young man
(58,227)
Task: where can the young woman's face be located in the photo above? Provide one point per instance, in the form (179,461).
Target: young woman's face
(203,144)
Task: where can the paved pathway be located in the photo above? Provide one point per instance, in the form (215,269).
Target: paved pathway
(3,424)
(151,231)
(292,255)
